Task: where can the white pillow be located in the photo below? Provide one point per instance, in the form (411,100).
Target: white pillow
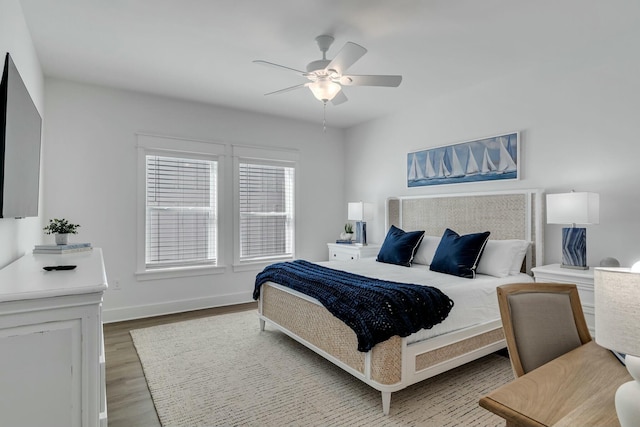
(502,258)
(426,250)
(519,257)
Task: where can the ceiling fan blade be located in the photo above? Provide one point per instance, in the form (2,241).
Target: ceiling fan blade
(379,80)
(287,89)
(339,98)
(271,64)
(347,56)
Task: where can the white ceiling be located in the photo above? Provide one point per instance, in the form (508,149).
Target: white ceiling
(202,50)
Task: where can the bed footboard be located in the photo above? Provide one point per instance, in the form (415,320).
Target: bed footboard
(312,323)
(391,365)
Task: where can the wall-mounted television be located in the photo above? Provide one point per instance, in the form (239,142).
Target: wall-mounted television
(20,140)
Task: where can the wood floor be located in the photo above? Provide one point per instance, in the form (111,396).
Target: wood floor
(128,399)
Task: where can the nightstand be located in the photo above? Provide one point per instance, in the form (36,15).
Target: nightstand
(347,252)
(583,279)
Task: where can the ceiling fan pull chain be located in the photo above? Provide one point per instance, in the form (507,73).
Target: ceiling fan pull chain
(324,117)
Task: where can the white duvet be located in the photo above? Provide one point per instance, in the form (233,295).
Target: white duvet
(475,300)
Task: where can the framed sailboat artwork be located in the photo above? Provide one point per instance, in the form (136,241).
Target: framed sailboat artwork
(486,159)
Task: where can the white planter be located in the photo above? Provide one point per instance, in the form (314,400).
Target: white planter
(62,239)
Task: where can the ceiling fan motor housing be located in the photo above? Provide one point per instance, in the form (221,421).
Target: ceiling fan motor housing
(324,42)
(318,65)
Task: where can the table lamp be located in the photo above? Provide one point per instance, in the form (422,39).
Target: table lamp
(617,313)
(360,212)
(574,208)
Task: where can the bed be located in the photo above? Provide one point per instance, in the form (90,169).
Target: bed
(399,362)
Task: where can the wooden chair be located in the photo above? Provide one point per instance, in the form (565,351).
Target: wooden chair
(541,321)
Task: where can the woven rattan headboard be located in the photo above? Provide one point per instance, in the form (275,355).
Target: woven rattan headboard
(507,215)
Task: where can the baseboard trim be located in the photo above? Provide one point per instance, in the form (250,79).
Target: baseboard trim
(171,307)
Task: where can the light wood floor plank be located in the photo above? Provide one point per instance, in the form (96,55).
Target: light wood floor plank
(128,399)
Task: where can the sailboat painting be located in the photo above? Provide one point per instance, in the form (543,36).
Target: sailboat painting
(486,159)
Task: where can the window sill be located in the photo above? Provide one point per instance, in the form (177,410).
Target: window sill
(175,272)
(258,265)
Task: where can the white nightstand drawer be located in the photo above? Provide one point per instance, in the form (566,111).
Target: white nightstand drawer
(346,252)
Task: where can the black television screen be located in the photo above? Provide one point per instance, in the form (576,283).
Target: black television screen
(20,139)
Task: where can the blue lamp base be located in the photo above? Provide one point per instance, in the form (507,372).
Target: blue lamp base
(361,233)
(574,248)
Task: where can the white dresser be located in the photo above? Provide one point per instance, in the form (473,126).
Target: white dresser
(51,345)
(583,279)
(351,252)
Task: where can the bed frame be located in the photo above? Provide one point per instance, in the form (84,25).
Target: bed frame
(395,364)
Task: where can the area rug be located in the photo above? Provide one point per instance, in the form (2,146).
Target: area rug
(222,371)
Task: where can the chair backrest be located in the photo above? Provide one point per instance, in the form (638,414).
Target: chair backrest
(541,321)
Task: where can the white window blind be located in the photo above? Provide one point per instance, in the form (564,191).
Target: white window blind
(181,211)
(266,204)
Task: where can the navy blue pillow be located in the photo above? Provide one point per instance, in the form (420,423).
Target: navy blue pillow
(400,246)
(459,255)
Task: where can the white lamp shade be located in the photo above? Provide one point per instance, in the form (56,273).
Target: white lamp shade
(617,309)
(360,211)
(573,208)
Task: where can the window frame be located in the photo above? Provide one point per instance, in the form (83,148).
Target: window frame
(175,147)
(265,156)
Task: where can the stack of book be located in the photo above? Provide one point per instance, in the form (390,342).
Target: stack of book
(344,241)
(62,249)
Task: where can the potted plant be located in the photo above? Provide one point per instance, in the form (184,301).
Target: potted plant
(61,228)
(348,231)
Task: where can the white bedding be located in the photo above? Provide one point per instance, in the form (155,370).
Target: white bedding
(475,300)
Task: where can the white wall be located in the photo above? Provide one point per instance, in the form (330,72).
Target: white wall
(579,121)
(90,179)
(578,118)
(17,236)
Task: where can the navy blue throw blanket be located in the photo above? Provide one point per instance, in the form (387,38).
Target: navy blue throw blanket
(375,309)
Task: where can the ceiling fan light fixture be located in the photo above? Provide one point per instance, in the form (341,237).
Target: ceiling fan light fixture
(324,89)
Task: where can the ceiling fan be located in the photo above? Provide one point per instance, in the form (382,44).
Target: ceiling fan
(327,77)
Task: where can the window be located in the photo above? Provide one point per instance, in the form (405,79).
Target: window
(178,208)
(266,211)
(181,223)
(265,200)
